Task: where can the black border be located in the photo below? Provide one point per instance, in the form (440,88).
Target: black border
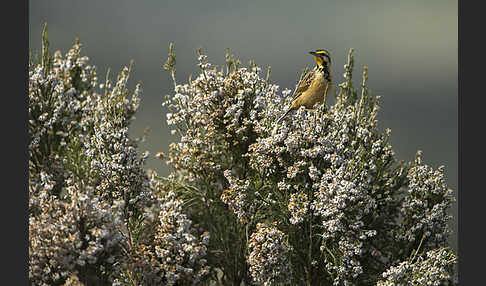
(14,213)
(471,205)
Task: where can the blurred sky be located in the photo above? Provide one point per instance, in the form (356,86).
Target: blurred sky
(410,48)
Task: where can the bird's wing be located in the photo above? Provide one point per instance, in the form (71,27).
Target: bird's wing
(303,83)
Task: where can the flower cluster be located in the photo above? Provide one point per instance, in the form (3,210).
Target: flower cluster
(433,269)
(215,114)
(60,98)
(176,254)
(425,206)
(235,197)
(110,150)
(78,236)
(268,258)
(298,207)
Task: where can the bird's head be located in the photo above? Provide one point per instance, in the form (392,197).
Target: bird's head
(322,58)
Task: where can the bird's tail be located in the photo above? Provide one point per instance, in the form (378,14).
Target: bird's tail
(282,117)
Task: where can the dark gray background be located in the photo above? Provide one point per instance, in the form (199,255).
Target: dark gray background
(409,46)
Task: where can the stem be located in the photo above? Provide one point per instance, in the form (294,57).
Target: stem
(418,249)
(309,274)
(129,237)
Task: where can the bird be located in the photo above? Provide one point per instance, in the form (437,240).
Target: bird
(314,86)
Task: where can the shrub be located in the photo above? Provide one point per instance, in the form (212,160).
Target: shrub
(317,200)
(92,204)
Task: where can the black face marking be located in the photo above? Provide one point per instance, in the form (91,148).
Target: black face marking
(325,70)
(327,75)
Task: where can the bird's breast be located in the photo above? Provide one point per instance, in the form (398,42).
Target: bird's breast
(316,93)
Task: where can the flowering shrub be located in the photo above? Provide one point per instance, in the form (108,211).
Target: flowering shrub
(319,199)
(89,192)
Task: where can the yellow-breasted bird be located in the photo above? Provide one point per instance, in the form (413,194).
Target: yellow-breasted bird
(315,85)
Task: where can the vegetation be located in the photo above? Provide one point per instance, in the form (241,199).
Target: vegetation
(317,200)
